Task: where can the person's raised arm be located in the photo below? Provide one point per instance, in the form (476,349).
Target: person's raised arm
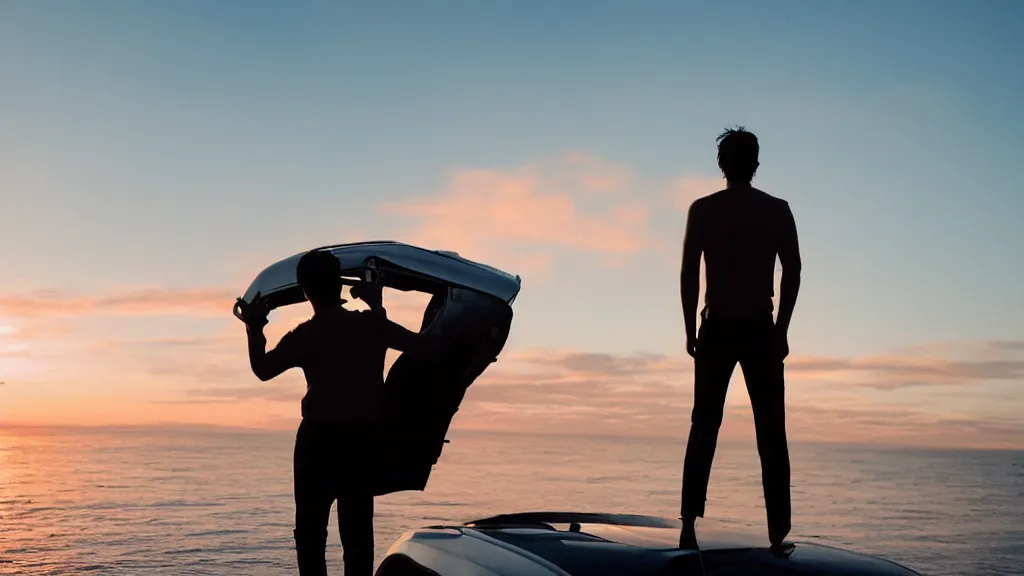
(689,276)
(267,365)
(404,340)
(396,336)
(789,257)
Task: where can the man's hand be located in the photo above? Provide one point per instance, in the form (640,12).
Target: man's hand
(781,343)
(254,314)
(370,293)
(691,347)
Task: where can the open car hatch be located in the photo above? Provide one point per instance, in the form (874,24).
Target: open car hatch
(470,310)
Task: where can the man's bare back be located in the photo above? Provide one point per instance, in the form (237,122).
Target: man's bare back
(740,231)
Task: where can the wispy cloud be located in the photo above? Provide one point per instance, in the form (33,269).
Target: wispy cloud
(639,394)
(13,350)
(153,301)
(562,391)
(1008,345)
(576,391)
(172,343)
(883,372)
(214,368)
(521,217)
(272,392)
(604,364)
(891,372)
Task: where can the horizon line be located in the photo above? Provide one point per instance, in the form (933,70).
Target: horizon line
(228,428)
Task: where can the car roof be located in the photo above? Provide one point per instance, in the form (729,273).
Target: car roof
(641,531)
(588,544)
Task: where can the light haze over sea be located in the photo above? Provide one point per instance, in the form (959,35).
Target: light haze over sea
(214,501)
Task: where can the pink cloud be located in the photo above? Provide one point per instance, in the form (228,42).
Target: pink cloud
(523,216)
(211,366)
(559,391)
(892,372)
(651,394)
(638,394)
(154,302)
(13,350)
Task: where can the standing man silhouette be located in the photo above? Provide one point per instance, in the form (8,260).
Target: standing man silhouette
(341,352)
(739,231)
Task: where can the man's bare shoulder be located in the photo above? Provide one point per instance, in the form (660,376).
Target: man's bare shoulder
(714,196)
(376,319)
(773,200)
(299,332)
(705,201)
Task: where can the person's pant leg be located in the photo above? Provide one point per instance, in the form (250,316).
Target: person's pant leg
(713,368)
(763,371)
(355,524)
(354,481)
(314,494)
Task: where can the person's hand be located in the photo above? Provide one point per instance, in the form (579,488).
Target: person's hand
(781,343)
(370,293)
(691,347)
(254,313)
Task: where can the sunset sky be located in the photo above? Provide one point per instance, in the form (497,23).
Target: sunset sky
(155,156)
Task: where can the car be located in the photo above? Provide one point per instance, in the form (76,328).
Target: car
(470,311)
(591,544)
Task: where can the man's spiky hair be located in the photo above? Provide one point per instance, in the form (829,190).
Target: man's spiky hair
(737,154)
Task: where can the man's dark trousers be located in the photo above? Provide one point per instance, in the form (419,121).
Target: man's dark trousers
(332,462)
(722,342)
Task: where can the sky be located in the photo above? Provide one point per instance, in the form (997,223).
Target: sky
(154,157)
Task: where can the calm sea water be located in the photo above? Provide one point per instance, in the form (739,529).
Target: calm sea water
(174,501)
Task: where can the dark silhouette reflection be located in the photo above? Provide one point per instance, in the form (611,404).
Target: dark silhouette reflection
(739,231)
(341,352)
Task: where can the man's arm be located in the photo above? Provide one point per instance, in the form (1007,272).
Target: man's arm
(689,276)
(400,338)
(267,365)
(789,257)
(396,336)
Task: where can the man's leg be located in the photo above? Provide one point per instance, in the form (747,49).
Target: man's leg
(763,372)
(314,494)
(355,523)
(713,368)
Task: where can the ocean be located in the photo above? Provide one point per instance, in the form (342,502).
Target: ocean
(210,501)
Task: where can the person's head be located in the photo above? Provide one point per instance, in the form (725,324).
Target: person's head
(319,275)
(737,155)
